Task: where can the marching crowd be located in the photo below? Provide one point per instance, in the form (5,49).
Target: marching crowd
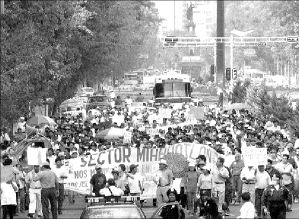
(267,188)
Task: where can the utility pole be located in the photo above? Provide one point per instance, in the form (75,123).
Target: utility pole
(220,47)
(2,6)
(174,17)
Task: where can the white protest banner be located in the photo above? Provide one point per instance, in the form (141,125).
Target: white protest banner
(81,169)
(36,156)
(254,156)
(127,137)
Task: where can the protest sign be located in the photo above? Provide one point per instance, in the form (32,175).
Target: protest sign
(254,156)
(36,156)
(81,169)
(127,137)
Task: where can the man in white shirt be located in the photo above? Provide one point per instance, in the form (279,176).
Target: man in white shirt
(286,170)
(247,210)
(111,189)
(263,180)
(35,204)
(61,174)
(134,180)
(220,175)
(248,178)
(164,180)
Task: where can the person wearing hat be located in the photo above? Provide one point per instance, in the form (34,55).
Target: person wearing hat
(97,181)
(263,180)
(35,204)
(248,179)
(190,184)
(275,198)
(286,170)
(164,180)
(134,181)
(61,174)
(205,185)
(50,189)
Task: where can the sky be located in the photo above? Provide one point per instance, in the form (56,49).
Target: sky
(166,11)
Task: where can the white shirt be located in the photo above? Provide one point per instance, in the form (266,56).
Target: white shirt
(115,191)
(60,172)
(249,174)
(134,183)
(247,211)
(263,179)
(8,194)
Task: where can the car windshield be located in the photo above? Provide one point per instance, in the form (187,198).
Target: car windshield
(115,212)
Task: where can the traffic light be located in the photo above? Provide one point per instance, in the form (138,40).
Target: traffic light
(235,74)
(228,74)
(212,69)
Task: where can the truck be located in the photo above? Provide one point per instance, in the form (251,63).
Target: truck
(172,87)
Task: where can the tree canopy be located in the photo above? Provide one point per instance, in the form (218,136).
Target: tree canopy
(49,47)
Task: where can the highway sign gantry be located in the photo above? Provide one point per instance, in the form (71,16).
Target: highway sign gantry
(173,41)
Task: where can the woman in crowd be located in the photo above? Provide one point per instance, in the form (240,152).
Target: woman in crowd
(8,193)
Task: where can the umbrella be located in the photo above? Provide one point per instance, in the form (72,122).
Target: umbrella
(40,120)
(111,133)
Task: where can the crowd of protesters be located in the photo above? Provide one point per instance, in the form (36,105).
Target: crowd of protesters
(226,131)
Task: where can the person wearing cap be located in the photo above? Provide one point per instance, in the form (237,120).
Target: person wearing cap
(61,174)
(35,204)
(97,181)
(50,189)
(220,175)
(164,180)
(134,181)
(248,178)
(286,170)
(275,197)
(205,184)
(263,180)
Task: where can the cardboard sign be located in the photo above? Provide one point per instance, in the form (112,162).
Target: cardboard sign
(36,156)
(127,137)
(254,156)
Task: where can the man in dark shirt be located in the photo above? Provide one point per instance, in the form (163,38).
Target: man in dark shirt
(97,181)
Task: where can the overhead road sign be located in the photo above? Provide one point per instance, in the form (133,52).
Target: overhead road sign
(173,41)
(293,39)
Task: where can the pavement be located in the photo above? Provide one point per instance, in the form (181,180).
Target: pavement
(73,208)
